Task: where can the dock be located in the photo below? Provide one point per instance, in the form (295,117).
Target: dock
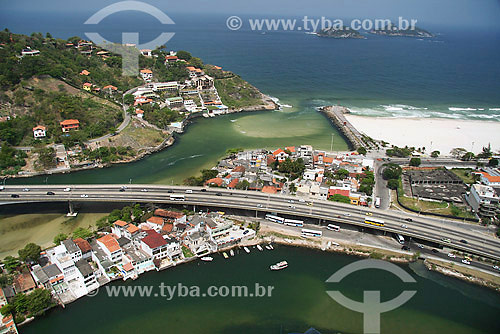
(336,115)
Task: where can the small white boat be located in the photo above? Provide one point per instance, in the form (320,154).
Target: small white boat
(207,258)
(246,249)
(259,248)
(267,247)
(279,266)
(288,240)
(231,252)
(225,255)
(271,247)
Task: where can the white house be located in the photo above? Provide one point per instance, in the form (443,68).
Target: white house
(154,245)
(73,250)
(146,74)
(39,131)
(110,247)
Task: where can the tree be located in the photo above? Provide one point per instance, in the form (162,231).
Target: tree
(435,154)
(486,153)
(7,309)
(30,252)
(415,162)
(362,150)
(468,156)
(292,188)
(181,54)
(11,263)
(81,233)
(393,184)
(458,152)
(493,162)
(128,99)
(392,171)
(243,185)
(60,238)
(341,174)
(39,300)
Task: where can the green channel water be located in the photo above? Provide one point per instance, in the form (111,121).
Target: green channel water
(299,300)
(205,141)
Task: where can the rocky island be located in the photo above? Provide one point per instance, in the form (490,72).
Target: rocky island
(343,32)
(393,31)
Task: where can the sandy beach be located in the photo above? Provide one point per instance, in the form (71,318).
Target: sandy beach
(431,133)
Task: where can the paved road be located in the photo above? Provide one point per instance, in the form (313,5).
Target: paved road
(478,240)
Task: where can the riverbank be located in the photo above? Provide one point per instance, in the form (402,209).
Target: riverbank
(432,133)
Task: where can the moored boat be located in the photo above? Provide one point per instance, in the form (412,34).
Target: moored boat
(207,258)
(231,252)
(225,255)
(279,266)
(259,248)
(246,249)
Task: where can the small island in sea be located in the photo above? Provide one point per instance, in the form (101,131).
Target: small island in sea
(393,31)
(343,32)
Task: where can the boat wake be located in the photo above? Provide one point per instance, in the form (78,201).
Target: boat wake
(185,158)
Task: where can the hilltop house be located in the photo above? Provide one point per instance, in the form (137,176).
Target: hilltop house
(146,74)
(29,52)
(87,86)
(69,124)
(39,131)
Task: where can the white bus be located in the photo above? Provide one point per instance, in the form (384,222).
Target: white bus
(275,219)
(177,198)
(332,227)
(377,202)
(293,222)
(400,238)
(311,233)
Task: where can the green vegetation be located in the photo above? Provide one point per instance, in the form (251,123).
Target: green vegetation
(30,252)
(367,183)
(83,233)
(361,150)
(60,238)
(11,160)
(392,171)
(435,154)
(206,174)
(24,306)
(340,198)
(233,151)
(415,162)
(160,117)
(107,154)
(292,168)
(11,263)
(465,174)
(393,184)
(400,152)
(133,213)
(243,185)
(187,252)
(237,93)
(46,158)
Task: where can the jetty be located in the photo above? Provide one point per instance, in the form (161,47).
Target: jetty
(354,138)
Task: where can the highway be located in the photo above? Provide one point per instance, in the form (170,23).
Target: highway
(478,240)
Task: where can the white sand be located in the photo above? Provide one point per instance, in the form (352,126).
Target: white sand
(431,133)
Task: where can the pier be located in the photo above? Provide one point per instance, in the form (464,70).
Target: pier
(353,137)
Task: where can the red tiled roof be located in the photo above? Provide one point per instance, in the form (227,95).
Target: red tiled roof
(171,57)
(278,151)
(132,228)
(269,189)
(168,214)
(84,72)
(217,181)
(343,192)
(83,244)
(120,223)
(290,148)
(155,220)
(23,282)
(239,169)
(167,228)
(87,84)
(146,71)
(69,122)
(233,183)
(39,127)
(128,266)
(490,178)
(109,242)
(153,239)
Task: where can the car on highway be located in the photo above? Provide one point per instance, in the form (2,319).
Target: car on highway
(144,190)
(404,226)
(50,193)
(369,214)
(203,190)
(218,194)
(189,191)
(465,261)
(464,241)
(122,189)
(2,188)
(84,196)
(26,189)
(434,250)
(291,207)
(246,232)
(302,200)
(452,255)
(347,214)
(406,248)
(14,196)
(496,267)
(309,204)
(259,205)
(409,220)
(170,191)
(446,240)
(290,201)
(420,246)
(67,189)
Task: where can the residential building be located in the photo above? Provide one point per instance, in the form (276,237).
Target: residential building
(29,52)
(484,200)
(24,283)
(154,245)
(84,247)
(39,131)
(146,74)
(48,277)
(69,124)
(110,247)
(72,249)
(86,274)
(87,86)
(173,216)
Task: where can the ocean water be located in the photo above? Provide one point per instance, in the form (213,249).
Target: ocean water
(454,75)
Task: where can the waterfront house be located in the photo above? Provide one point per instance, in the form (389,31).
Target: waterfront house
(280,155)
(69,124)
(86,275)
(84,247)
(49,276)
(174,102)
(110,247)
(269,189)
(173,216)
(119,227)
(136,259)
(72,249)
(154,245)
(7,325)
(216,181)
(24,283)
(155,223)
(39,131)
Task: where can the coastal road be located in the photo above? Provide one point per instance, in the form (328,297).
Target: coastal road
(464,237)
